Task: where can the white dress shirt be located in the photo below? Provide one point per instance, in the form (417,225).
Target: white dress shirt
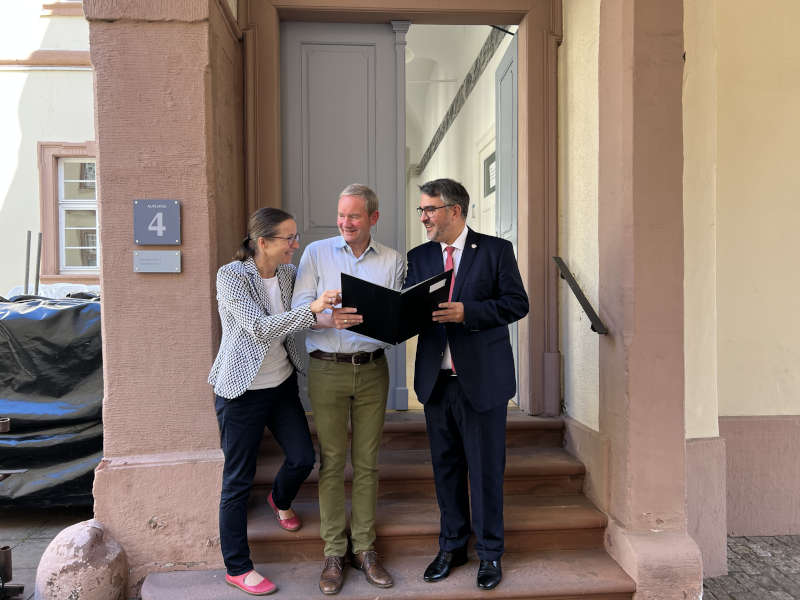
(458,244)
(275,368)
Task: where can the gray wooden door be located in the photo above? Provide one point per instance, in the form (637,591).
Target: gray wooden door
(505,80)
(343,121)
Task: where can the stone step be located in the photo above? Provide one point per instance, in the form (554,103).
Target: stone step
(540,575)
(546,471)
(408,524)
(406,429)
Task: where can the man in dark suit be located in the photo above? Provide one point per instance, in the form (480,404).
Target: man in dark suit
(464,376)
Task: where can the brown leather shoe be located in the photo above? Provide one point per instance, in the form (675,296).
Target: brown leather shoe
(367,561)
(332,578)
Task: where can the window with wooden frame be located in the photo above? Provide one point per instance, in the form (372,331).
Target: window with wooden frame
(69,223)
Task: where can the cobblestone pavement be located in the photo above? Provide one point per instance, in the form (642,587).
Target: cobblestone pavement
(28,532)
(758,567)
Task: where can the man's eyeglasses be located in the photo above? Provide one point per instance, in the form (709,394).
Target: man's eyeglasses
(430,210)
(289,240)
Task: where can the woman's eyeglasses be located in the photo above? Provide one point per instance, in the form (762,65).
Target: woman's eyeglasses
(289,240)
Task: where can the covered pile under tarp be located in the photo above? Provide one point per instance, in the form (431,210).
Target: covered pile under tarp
(51,387)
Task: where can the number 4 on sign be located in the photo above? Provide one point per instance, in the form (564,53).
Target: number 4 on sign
(157,224)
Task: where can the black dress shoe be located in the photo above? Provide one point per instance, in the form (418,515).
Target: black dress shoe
(444,561)
(489,574)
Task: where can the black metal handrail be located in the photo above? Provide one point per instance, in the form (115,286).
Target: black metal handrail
(597,325)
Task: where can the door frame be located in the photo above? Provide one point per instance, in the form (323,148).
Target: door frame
(538,37)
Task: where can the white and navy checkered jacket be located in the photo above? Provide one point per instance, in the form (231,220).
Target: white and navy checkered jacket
(249,326)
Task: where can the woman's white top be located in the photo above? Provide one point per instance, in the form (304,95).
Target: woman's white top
(275,368)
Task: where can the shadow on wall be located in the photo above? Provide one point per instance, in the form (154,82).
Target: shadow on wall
(45,111)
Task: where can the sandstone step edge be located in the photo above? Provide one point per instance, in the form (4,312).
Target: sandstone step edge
(413,421)
(519,464)
(419,516)
(546,575)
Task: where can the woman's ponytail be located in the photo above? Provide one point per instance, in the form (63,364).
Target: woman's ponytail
(245,251)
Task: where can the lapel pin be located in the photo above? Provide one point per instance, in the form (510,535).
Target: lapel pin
(474,246)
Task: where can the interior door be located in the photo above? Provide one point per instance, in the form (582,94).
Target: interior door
(340,89)
(506,155)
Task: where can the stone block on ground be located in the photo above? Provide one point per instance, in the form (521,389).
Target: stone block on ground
(83,562)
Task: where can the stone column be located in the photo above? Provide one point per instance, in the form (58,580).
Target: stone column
(168,120)
(641,294)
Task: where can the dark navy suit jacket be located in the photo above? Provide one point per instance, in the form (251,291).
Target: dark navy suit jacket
(489,285)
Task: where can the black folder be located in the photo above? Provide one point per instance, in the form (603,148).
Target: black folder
(393,316)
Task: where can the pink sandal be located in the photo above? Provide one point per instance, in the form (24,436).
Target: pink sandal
(291,524)
(262,589)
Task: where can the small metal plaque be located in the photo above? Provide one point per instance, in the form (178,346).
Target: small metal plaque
(157,222)
(157,261)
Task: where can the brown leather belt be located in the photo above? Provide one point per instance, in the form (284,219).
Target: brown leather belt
(357,358)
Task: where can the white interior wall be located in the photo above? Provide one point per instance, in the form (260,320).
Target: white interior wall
(470,137)
(442,56)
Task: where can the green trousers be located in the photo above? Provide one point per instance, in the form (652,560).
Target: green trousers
(342,392)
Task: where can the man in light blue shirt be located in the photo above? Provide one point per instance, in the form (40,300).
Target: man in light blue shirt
(348,376)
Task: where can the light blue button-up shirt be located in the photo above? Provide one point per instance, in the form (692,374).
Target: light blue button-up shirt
(320,269)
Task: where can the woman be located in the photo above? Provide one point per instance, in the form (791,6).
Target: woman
(255,383)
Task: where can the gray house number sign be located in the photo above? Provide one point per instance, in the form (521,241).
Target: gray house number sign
(157,222)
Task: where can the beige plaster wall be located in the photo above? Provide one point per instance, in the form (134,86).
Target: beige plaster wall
(758,214)
(53,104)
(700,218)
(741,212)
(577,218)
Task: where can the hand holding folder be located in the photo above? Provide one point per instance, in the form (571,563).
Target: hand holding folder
(393,316)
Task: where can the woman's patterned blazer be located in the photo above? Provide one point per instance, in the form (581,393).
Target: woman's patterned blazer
(249,326)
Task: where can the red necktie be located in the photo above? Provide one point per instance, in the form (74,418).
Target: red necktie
(448,264)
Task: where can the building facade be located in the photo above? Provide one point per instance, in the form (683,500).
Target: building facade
(47,180)
(655,156)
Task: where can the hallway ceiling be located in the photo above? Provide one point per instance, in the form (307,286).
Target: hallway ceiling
(437,59)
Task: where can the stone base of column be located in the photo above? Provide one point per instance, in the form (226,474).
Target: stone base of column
(665,565)
(162,509)
(706,502)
